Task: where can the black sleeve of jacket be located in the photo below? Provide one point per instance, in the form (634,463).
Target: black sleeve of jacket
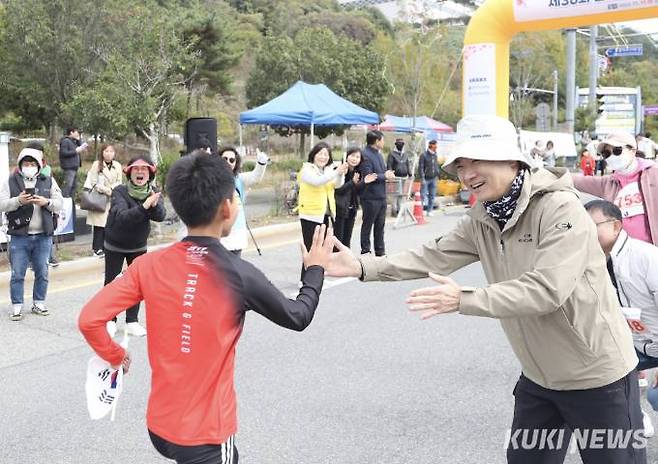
(409,173)
(345,188)
(267,300)
(67,148)
(421,167)
(125,213)
(157,213)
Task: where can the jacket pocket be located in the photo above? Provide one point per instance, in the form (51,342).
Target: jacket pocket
(579,339)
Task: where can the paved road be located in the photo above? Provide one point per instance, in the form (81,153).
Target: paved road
(366,383)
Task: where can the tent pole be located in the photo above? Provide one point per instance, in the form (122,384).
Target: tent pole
(312,133)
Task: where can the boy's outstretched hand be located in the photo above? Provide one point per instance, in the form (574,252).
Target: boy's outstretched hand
(321,248)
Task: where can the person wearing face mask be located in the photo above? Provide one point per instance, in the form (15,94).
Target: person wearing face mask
(133,206)
(29,199)
(318,178)
(103,176)
(633,186)
(547,284)
(398,161)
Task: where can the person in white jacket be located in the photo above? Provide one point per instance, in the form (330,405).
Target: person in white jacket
(633,268)
(238,239)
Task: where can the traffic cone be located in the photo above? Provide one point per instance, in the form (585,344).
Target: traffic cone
(418,210)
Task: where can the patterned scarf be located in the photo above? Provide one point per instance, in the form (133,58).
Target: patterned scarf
(501,210)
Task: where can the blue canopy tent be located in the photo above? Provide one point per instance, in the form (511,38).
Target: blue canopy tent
(308,105)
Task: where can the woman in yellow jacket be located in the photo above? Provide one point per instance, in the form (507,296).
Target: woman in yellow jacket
(317,180)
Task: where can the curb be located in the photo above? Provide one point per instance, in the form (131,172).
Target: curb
(93,263)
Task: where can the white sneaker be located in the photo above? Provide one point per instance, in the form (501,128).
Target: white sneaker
(135,329)
(430,213)
(648,426)
(111,327)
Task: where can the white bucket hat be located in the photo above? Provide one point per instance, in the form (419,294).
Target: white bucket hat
(618,139)
(485,137)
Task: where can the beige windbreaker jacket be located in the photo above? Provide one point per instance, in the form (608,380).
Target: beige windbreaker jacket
(548,284)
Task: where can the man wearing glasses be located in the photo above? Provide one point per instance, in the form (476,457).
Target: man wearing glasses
(633,186)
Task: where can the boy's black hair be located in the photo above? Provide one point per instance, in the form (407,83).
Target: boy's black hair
(316,149)
(70,130)
(373,136)
(197,184)
(608,209)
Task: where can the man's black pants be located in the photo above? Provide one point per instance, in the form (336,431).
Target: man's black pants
(606,424)
(374,218)
(226,453)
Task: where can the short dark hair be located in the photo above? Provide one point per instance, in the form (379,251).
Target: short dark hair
(647,135)
(70,130)
(373,136)
(197,184)
(316,149)
(432,142)
(608,209)
(238,158)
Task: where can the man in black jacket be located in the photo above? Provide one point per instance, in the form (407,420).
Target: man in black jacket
(398,160)
(373,195)
(69,159)
(428,168)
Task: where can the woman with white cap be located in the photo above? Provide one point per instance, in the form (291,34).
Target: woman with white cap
(549,287)
(133,206)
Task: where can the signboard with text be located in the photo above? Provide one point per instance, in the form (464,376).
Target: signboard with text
(480,79)
(626,50)
(537,10)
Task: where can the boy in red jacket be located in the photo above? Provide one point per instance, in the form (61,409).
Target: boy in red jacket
(196,294)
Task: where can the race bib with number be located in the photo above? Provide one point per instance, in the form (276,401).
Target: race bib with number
(629,200)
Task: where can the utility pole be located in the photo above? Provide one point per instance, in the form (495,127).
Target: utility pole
(571,80)
(555,90)
(593,67)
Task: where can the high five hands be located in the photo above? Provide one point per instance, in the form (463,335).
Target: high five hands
(432,301)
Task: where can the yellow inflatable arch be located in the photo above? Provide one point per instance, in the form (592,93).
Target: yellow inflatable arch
(494,24)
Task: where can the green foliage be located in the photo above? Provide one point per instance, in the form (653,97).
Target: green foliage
(422,81)
(286,165)
(318,56)
(46,54)
(167,159)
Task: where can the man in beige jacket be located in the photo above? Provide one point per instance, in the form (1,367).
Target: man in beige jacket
(548,285)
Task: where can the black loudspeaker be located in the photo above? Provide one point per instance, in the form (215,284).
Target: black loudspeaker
(200,132)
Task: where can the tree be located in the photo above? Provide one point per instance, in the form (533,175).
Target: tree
(318,56)
(210,32)
(147,65)
(46,54)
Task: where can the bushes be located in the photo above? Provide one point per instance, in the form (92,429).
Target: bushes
(166,160)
